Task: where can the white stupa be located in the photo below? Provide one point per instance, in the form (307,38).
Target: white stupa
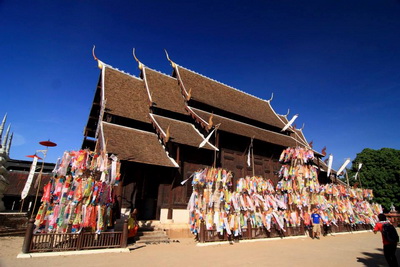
(5,144)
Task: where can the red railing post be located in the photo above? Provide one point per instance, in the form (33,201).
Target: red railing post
(79,242)
(249,230)
(28,236)
(124,238)
(202,231)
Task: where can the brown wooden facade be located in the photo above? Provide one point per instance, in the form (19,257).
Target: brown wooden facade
(155,122)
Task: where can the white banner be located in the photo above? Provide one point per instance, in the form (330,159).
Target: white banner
(206,140)
(343,166)
(359,167)
(290,122)
(330,160)
(249,153)
(28,183)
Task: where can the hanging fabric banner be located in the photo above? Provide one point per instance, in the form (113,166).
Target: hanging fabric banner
(347,161)
(289,123)
(359,167)
(249,153)
(28,183)
(330,160)
(206,140)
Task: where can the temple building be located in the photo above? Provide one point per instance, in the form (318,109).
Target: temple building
(155,124)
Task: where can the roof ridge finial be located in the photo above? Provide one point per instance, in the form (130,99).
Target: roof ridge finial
(137,60)
(302,127)
(210,121)
(167,134)
(272,97)
(99,63)
(172,63)
(288,111)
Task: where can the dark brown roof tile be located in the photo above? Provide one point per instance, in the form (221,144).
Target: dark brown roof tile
(248,130)
(136,145)
(165,91)
(126,96)
(181,132)
(17,180)
(226,98)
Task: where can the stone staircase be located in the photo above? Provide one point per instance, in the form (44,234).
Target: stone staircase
(150,232)
(13,223)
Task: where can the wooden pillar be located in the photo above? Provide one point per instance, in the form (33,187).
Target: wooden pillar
(216,145)
(79,241)
(171,192)
(28,236)
(170,202)
(249,229)
(118,192)
(124,238)
(202,232)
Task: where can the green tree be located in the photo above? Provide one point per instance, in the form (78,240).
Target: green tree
(381,172)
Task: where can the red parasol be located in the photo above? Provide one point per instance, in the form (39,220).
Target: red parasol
(32,156)
(47,143)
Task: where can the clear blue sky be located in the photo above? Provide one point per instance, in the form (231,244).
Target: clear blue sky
(336,62)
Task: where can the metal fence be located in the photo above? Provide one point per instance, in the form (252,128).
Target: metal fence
(48,242)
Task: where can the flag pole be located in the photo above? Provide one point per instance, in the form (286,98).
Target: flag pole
(216,144)
(252,154)
(22,205)
(47,144)
(347,178)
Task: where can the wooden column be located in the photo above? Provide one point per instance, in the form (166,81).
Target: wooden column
(28,236)
(202,233)
(124,239)
(249,229)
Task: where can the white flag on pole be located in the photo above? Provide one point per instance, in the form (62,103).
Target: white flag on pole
(206,140)
(290,122)
(249,153)
(248,158)
(330,160)
(347,161)
(359,167)
(28,183)
(208,137)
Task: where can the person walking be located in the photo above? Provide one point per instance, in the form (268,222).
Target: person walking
(389,239)
(316,224)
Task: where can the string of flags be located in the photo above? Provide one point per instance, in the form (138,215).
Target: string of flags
(80,193)
(226,206)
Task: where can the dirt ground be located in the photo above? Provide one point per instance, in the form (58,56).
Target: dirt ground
(357,249)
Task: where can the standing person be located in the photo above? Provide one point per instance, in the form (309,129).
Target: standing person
(389,246)
(316,223)
(133,224)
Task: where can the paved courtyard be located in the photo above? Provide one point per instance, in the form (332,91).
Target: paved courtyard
(354,249)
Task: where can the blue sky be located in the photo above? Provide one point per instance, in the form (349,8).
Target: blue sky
(335,63)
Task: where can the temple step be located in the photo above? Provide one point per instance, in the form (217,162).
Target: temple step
(151,236)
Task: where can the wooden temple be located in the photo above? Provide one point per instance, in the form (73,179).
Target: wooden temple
(155,123)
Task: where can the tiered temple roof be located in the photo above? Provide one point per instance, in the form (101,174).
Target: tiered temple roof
(136,145)
(139,116)
(226,99)
(125,96)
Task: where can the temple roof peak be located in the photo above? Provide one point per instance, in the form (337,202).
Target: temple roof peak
(173,64)
(100,64)
(140,64)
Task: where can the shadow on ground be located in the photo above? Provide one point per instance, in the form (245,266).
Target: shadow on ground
(373,259)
